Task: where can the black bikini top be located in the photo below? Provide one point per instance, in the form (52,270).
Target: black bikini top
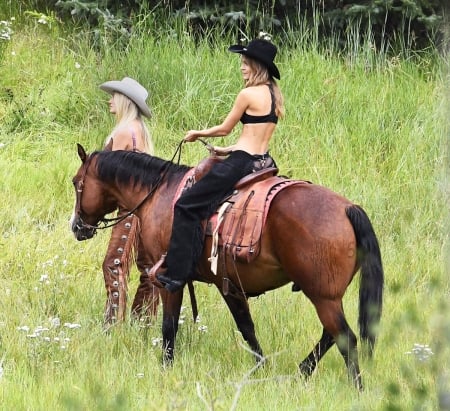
(268,118)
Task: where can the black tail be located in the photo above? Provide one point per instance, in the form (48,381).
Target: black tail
(372,276)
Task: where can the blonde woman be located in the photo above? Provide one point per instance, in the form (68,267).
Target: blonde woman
(128,104)
(257,106)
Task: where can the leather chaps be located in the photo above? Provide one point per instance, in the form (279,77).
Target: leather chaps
(125,245)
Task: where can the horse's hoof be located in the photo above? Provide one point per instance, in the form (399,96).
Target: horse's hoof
(306,369)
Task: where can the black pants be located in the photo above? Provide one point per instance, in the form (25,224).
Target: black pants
(197,204)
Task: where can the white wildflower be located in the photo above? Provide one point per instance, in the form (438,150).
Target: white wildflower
(156,341)
(55,322)
(43,19)
(203,328)
(77,65)
(39,329)
(140,375)
(422,352)
(264,36)
(23,328)
(72,326)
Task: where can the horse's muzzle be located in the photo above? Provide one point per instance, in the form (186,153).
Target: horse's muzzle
(81,231)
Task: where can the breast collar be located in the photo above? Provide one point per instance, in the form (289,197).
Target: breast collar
(268,118)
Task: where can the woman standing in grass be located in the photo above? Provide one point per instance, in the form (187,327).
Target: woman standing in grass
(257,106)
(128,104)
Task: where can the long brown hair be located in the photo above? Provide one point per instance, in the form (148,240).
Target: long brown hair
(260,75)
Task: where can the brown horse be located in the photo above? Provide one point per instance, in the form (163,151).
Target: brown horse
(313,237)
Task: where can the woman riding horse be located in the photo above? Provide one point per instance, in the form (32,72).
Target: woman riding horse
(128,104)
(258,106)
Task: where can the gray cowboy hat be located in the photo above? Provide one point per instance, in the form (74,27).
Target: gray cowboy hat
(261,50)
(131,89)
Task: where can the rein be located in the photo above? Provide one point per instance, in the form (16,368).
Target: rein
(111,222)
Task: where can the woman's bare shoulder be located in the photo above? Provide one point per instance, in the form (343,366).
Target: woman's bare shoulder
(249,93)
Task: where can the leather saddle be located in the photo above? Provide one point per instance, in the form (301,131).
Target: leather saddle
(237,226)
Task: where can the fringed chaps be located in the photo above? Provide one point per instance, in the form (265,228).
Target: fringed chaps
(124,246)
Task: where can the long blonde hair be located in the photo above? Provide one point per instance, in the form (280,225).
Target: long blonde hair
(126,112)
(260,75)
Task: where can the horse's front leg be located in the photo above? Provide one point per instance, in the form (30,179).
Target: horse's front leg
(238,305)
(145,304)
(146,300)
(171,314)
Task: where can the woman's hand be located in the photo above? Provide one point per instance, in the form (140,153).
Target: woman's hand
(222,151)
(191,136)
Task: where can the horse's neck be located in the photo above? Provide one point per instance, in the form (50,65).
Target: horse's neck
(147,198)
(129,197)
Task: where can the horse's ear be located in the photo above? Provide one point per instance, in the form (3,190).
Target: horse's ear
(81,153)
(109,146)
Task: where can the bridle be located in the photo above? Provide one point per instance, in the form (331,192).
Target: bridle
(111,222)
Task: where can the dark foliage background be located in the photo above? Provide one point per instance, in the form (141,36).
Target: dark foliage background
(412,23)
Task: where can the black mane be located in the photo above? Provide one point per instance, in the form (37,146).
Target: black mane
(127,167)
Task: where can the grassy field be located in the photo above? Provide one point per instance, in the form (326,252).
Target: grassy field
(370,127)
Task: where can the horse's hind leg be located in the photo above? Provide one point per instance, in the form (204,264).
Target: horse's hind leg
(333,320)
(309,364)
(238,305)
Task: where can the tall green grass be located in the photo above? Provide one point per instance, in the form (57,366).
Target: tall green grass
(370,127)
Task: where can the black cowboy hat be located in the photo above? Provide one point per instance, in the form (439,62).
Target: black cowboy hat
(261,50)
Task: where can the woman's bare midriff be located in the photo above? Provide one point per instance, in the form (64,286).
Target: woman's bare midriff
(255,138)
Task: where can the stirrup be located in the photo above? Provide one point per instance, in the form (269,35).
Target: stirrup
(157,269)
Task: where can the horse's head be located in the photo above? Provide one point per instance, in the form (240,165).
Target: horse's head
(91,201)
